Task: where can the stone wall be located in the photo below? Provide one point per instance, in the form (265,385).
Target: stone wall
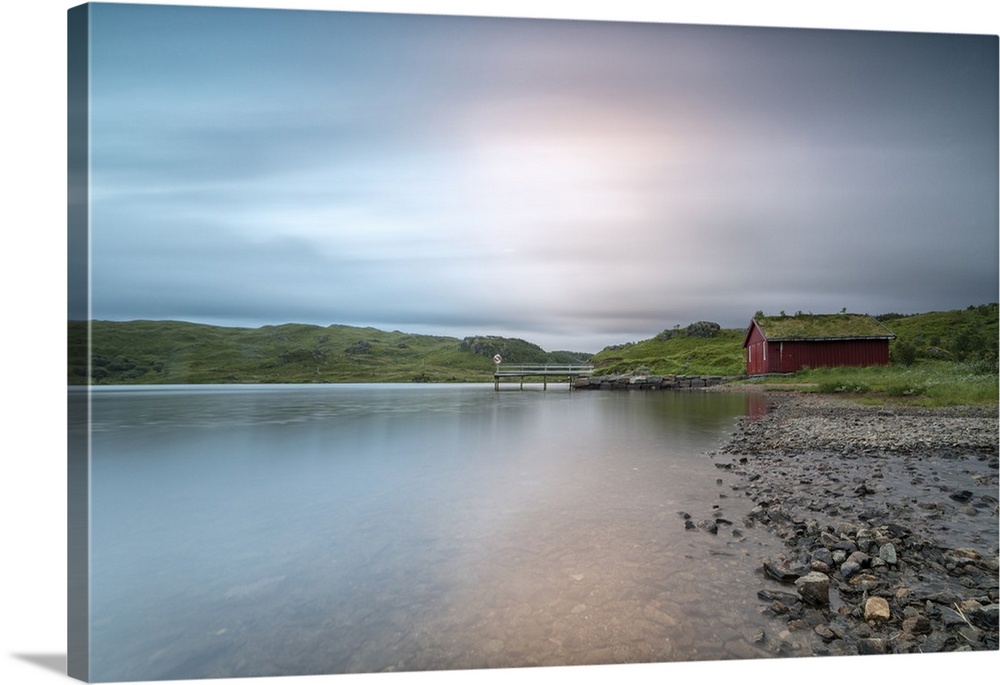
(647,382)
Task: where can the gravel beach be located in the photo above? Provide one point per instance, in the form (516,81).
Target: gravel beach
(889,521)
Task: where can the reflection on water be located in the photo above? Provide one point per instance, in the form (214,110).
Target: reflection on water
(280,530)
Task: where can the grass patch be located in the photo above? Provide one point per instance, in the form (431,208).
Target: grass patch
(928,383)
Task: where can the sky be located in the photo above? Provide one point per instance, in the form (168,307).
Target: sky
(573,183)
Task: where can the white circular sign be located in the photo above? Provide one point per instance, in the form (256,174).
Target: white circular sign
(497,358)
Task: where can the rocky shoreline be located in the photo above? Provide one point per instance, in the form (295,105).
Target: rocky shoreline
(889,521)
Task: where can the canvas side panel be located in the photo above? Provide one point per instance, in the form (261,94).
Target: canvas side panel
(78,347)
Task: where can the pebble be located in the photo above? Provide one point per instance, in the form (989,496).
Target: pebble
(877,609)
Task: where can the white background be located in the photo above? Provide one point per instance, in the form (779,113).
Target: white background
(33,480)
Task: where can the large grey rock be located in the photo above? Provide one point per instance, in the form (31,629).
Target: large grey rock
(814,588)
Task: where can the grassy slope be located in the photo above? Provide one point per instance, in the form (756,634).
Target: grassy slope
(721,355)
(942,335)
(178,352)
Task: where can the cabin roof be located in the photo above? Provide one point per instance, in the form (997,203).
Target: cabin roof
(821,327)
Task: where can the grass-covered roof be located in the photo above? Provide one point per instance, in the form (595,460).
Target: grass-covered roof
(821,326)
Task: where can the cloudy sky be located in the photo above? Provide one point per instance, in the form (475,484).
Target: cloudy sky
(574,183)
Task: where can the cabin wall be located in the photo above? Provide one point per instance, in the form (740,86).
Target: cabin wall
(756,352)
(790,356)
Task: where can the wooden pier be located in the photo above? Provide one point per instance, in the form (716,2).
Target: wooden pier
(543,371)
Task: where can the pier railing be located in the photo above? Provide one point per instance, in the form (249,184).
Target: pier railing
(543,371)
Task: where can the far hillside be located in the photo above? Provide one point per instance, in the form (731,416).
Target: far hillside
(170,352)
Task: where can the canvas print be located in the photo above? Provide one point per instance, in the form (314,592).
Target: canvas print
(423,343)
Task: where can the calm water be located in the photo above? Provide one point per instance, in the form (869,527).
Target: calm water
(279,530)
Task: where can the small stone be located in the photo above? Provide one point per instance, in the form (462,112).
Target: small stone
(849,568)
(887,553)
(814,588)
(970,634)
(969,605)
(822,554)
(778,608)
(951,618)
(864,581)
(860,558)
(798,624)
(937,641)
(780,573)
(846,546)
(917,625)
(825,632)
(877,609)
(987,616)
(819,566)
(966,553)
(771,595)
(872,645)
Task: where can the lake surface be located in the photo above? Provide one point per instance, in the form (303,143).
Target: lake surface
(283,530)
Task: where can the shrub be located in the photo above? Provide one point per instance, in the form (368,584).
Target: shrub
(904,353)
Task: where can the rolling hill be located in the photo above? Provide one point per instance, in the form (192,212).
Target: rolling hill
(167,352)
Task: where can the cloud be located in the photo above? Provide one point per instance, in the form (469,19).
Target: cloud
(581,182)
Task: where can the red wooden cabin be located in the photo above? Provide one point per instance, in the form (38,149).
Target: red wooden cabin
(785,344)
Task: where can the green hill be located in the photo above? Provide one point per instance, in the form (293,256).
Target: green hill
(700,349)
(168,352)
(963,335)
